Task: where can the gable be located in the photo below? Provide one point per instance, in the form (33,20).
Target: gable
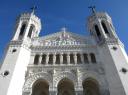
(61,39)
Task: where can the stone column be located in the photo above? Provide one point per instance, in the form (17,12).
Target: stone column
(61,58)
(101,28)
(75,58)
(40,59)
(82,58)
(89,58)
(47,59)
(32,58)
(68,58)
(54,59)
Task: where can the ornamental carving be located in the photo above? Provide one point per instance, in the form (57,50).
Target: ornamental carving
(91,74)
(65,74)
(62,38)
(32,79)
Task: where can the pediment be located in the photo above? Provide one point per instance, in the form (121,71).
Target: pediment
(60,39)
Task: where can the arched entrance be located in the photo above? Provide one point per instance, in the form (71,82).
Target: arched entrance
(40,87)
(66,87)
(90,87)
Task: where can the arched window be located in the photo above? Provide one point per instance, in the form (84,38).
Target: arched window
(22,30)
(36,60)
(57,59)
(90,87)
(85,58)
(50,59)
(66,87)
(30,31)
(104,27)
(79,59)
(43,59)
(93,58)
(72,59)
(65,58)
(97,31)
(40,87)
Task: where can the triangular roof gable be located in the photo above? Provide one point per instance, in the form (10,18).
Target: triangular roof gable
(61,38)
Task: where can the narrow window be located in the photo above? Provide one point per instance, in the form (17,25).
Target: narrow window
(97,31)
(44,59)
(104,27)
(57,59)
(72,59)
(30,31)
(50,59)
(36,60)
(85,58)
(93,58)
(64,58)
(22,29)
(79,59)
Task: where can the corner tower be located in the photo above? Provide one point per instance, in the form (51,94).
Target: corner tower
(101,27)
(28,26)
(111,51)
(17,55)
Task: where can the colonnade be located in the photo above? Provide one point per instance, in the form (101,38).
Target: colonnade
(63,58)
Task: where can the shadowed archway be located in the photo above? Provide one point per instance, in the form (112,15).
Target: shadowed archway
(66,87)
(40,87)
(90,87)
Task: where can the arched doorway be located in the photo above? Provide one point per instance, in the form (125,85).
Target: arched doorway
(90,87)
(66,87)
(40,87)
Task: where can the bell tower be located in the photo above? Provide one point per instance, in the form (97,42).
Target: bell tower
(111,51)
(16,59)
(27,26)
(100,26)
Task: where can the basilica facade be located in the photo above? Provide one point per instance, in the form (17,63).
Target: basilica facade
(64,63)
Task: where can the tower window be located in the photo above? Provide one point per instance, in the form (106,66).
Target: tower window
(104,27)
(22,29)
(124,70)
(114,48)
(6,73)
(14,50)
(30,31)
(97,31)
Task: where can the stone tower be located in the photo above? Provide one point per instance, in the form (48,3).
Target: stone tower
(65,63)
(111,52)
(17,54)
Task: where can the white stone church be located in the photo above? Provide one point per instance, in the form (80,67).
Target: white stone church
(64,63)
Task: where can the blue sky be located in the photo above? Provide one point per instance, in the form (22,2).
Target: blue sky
(56,14)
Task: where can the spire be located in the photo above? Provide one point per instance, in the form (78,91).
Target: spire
(33,9)
(93,9)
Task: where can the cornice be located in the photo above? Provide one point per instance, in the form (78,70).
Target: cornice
(20,43)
